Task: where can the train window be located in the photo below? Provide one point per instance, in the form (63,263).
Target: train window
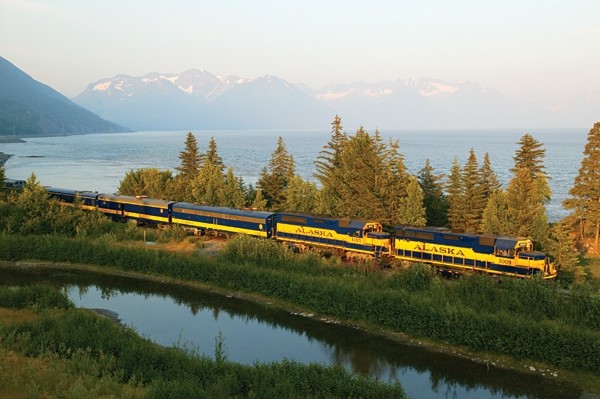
(505,253)
(424,236)
(486,240)
(293,219)
(400,233)
(450,237)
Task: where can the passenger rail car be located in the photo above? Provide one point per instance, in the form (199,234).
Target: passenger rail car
(86,199)
(220,219)
(481,253)
(143,209)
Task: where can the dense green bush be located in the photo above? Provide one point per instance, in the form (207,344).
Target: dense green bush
(40,296)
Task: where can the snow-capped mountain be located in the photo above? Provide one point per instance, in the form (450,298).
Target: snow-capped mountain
(197,99)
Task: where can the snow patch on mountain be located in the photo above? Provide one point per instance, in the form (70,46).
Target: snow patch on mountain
(438,89)
(102,86)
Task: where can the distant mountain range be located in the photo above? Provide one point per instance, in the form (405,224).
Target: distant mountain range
(197,99)
(28,107)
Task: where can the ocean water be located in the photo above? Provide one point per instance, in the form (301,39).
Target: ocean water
(99,162)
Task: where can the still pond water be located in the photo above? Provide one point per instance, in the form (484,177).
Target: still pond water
(171,315)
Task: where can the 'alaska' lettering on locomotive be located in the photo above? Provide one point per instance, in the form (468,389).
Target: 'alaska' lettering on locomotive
(441,250)
(314,232)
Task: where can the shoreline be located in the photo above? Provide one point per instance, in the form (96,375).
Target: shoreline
(4,158)
(490,360)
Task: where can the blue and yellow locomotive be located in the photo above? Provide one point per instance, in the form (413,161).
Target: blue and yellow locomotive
(347,238)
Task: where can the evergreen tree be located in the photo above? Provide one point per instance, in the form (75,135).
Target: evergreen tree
(412,211)
(473,194)
(147,181)
(489,179)
(259,203)
(394,184)
(530,155)
(327,167)
(2,177)
(434,200)
(585,200)
(454,193)
(191,162)
(495,218)
(362,169)
(301,196)
(190,159)
(232,195)
(528,191)
(563,247)
(212,156)
(527,212)
(274,181)
(209,184)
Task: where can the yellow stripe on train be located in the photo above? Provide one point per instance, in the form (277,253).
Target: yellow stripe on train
(218,227)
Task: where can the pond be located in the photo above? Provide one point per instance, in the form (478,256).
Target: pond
(253,332)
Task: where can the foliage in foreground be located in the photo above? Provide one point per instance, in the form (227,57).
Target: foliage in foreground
(116,356)
(523,318)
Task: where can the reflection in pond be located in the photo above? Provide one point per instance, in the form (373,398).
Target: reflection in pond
(257,332)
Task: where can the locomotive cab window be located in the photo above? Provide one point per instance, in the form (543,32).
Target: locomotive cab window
(505,253)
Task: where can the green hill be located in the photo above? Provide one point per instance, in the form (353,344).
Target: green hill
(30,108)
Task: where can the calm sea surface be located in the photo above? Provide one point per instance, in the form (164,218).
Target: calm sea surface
(99,162)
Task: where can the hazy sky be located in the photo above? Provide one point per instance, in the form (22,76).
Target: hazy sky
(522,48)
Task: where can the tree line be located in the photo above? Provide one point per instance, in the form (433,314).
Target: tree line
(361,176)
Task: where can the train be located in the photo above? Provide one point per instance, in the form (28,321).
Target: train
(356,240)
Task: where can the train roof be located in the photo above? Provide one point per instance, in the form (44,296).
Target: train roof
(444,233)
(223,210)
(140,200)
(322,222)
(69,191)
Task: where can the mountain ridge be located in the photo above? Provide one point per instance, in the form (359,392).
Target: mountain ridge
(197,98)
(29,107)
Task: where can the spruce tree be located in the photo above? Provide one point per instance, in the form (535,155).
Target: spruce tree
(526,207)
(188,169)
(495,218)
(362,170)
(190,159)
(434,200)
(489,179)
(563,247)
(585,200)
(274,181)
(208,185)
(528,191)
(232,195)
(412,211)
(394,184)
(327,167)
(473,194)
(530,155)
(454,193)
(301,196)
(259,203)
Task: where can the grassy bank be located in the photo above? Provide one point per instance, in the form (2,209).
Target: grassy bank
(522,318)
(50,349)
